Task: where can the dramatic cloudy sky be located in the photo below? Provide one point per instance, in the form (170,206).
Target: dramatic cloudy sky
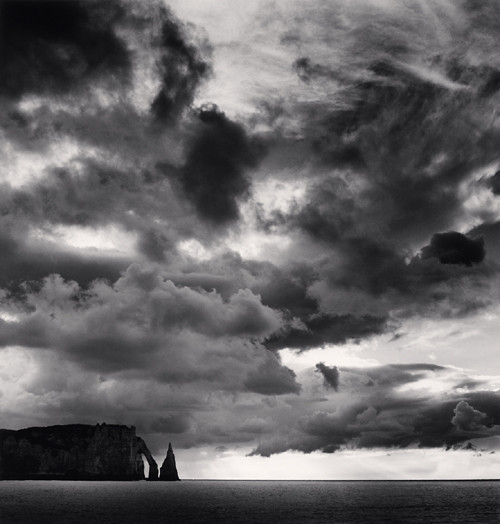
(266,231)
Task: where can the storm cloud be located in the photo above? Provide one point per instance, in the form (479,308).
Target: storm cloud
(214,178)
(57,46)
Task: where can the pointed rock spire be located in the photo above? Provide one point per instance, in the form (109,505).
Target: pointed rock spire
(168,470)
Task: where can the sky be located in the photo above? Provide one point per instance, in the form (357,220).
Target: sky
(267,232)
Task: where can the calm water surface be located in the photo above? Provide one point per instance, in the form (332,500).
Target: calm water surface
(200,501)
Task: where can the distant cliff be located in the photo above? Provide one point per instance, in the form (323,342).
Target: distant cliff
(74,452)
(168,470)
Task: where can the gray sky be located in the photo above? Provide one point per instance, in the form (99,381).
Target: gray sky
(265,231)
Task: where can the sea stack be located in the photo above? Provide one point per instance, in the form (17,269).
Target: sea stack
(168,470)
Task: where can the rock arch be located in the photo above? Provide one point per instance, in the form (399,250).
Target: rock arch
(142,449)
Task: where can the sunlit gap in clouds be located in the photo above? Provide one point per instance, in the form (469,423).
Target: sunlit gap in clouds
(112,240)
(345,355)
(20,167)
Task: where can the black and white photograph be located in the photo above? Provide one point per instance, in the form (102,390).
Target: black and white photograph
(249,261)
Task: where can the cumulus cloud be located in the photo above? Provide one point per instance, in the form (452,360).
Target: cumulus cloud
(115,326)
(466,418)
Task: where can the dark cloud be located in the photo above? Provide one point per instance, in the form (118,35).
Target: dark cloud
(308,70)
(285,287)
(467,418)
(394,161)
(155,244)
(455,248)
(330,212)
(98,68)
(55,46)
(172,423)
(272,379)
(330,374)
(373,265)
(485,79)
(288,289)
(494,183)
(486,402)
(256,425)
(490,231)
(390,85)
(352,298)
(399,374)
(213,177)
(183,65)
(319,329)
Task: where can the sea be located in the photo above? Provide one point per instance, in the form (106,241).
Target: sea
(198,501)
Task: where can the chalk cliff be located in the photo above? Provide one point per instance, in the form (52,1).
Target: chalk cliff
(76,451)
(168,470)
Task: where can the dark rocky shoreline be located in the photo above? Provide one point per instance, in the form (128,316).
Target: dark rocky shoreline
(79,452)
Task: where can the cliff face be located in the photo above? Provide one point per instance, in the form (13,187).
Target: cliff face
(77,451)
(168,470)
